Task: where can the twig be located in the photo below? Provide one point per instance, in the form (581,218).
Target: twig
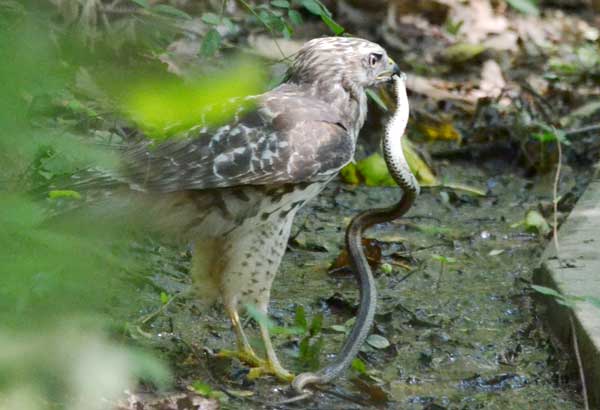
(555,194)
(251,10)
(456,187)
(583,130)
(579,365)
(408,275)
(439,280)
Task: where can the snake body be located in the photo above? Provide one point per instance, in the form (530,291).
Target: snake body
(398,167)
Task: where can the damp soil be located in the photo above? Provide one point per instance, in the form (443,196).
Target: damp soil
(459,326)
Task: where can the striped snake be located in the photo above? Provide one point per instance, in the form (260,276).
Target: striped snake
(398,167)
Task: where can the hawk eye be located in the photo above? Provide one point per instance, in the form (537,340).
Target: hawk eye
(374,58)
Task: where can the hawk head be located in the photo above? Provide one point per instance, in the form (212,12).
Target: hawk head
(331,60)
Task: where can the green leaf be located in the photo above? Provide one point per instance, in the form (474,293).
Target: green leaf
(359,366)
(376,99)
(547,291)
(202,388)
(210,43)
(525,6)
(295,17)
(142,3)
(280,330)
(171,11)
(316,324)
(277,23)
(545,136)
(211,18)
(551,134)
(338,328)
(350,174)
(64,194)
(288,31)
(443,259)
(231,26)
(284,4)
(453,27)
(463,52)
(303,349)
(300,318)
(565,302)
(333,26)
(374,171)
(378,341)
(386,268)
(324,8)
(164,298)
(535,222)
(312,6)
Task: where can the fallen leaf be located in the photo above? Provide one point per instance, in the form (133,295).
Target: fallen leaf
(462,52)
(374,171)
(479,20)
(492,81)
(372,251)
(378,341)
(349,174)
(417,165)
(338,328)
(240,393)
(437,89)
(443,130)
(535,222)
(375,393)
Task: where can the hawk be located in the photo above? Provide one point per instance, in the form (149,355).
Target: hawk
(233,191)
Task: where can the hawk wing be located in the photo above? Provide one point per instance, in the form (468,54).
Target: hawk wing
(289,138)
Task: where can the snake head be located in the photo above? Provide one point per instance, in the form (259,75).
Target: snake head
(401,75)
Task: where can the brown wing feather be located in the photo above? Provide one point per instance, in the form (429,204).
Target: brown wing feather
(290,138)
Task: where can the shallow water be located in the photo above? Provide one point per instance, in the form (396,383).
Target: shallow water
(464,335)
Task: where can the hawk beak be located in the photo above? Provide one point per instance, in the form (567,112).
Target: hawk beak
(395,68)
(390,72)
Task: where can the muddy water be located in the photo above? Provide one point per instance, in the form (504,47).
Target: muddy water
(461,326)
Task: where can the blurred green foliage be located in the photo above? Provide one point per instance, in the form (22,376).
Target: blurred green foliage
(164,106)
(46,270)
(72,74)
(59,279)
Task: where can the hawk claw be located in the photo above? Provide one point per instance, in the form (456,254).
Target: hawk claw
(270,370)
(243,355)
(258,367)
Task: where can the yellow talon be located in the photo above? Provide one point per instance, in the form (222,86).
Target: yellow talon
(258,367)
(245,356)
(269,370)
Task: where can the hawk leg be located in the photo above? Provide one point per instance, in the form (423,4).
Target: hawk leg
(272,365)
(245,353)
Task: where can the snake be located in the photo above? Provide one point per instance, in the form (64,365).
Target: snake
(402,175)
